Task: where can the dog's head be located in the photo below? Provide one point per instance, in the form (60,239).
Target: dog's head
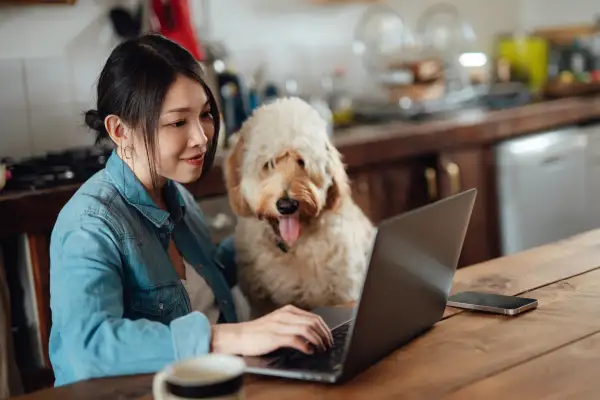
(284,169)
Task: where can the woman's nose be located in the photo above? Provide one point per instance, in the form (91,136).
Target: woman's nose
(198,136)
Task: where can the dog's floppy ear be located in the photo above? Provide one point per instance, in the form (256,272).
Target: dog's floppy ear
(339,187)
(233,179)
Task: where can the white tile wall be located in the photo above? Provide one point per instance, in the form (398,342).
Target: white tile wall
(41,105)
(12,87)
(86,66)
(48,81)
(56,127)
(47,75)
(15,138)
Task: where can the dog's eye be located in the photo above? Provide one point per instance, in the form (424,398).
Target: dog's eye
(301,163)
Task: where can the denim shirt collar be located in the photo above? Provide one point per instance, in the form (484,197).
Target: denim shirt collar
(134,192)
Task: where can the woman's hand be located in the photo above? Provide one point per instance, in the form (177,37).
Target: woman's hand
(286,327)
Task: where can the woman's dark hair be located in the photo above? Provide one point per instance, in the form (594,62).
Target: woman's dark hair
(133,85)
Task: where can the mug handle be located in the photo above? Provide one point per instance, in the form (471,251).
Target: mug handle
(159,388)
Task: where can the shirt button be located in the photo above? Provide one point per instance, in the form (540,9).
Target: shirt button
(161,306)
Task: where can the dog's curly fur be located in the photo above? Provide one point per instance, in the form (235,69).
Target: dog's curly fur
(283,150)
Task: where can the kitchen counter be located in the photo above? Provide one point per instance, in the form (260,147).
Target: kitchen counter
(361,146)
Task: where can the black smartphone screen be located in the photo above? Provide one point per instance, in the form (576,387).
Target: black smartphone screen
(491,300)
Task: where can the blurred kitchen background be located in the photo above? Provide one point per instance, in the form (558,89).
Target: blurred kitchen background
(423,99)
(51,54)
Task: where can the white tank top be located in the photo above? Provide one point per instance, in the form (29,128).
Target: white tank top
(202,297)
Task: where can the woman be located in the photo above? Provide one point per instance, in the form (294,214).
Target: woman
(132,264)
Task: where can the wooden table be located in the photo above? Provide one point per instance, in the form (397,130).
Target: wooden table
(552,352)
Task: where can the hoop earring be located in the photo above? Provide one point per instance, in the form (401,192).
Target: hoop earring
(127,152)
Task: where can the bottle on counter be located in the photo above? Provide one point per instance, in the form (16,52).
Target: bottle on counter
(339,99)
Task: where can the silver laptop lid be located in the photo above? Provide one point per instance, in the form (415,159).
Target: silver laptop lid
(412,266)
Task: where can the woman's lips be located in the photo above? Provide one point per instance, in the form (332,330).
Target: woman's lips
(195,161)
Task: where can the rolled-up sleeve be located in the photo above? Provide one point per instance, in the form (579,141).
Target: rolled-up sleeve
(90,337)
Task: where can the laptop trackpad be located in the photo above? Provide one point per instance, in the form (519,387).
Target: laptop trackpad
(335,316)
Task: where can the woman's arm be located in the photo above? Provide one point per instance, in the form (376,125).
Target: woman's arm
(90,337)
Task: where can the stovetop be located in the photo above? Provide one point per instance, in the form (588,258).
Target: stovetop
(55,169)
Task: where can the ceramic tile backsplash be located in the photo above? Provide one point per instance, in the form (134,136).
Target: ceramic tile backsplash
(15,138)
(42,102)
(57,128)
(86,67)
(12,85)
(49,81)
(81,134)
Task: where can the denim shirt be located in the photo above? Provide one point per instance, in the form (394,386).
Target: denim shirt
(118,306)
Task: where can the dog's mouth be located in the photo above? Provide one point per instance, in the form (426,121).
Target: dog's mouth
(287,227)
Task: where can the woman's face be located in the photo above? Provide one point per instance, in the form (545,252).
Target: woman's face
(185,127)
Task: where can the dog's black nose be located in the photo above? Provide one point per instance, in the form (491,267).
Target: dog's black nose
(287,206)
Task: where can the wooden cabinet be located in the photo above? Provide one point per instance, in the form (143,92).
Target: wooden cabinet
(386,190)
(466,168)
(390,189)
(360,185)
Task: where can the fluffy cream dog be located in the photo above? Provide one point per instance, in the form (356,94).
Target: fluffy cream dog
(300,238)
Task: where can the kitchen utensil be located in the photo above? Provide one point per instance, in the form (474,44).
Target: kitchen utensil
(127,24)
(175,22)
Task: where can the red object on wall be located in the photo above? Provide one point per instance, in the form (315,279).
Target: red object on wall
(176,24)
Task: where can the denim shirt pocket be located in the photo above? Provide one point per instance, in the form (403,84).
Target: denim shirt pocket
(161,303)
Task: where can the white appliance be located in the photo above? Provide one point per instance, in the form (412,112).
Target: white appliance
(592,178)
(541,188)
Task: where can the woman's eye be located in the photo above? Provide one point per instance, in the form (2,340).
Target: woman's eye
(206,115)
(178,124)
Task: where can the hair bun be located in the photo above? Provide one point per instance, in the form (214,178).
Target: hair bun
(94,121)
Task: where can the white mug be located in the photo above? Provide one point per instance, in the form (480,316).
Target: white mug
(211,376)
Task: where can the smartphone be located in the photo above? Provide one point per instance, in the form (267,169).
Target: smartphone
(493,303)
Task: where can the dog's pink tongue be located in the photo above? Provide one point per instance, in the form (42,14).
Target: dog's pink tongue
(289,228)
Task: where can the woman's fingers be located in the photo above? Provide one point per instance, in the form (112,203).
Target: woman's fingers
(305,331)
(312,319)
(317,321)
(295,342)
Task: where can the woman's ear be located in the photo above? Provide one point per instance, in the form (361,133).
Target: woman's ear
(116,129)
(233,179)
(339,187)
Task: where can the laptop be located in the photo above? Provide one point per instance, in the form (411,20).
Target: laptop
(409,277)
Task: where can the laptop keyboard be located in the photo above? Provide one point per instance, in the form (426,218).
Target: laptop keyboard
(320,361)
